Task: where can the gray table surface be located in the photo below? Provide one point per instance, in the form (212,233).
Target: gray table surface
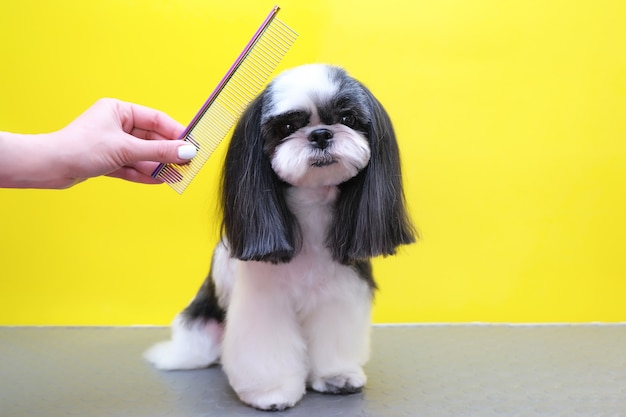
(454,370)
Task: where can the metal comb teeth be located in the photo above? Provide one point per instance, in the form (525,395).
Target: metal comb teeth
(241,84)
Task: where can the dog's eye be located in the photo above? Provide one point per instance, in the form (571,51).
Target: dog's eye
(348,120)
(287,129)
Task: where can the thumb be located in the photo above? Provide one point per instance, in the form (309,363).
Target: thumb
(166,151)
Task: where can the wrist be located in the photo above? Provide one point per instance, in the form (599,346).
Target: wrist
(29,161)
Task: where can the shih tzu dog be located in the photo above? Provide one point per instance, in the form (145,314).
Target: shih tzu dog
(311,190)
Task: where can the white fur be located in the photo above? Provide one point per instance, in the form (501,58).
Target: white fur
(193,345)
(349,150)
(299,88)
(306,321)
(311,317)
(296,324)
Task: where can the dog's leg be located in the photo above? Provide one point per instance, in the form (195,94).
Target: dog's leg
(337,332)
(264,355)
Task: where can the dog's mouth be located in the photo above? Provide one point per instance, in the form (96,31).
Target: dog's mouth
(323,159)
(321,164)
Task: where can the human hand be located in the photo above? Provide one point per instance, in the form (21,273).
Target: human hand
(118,139)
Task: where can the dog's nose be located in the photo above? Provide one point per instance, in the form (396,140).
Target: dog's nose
(321,137)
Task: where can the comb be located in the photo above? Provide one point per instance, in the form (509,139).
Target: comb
(241,84)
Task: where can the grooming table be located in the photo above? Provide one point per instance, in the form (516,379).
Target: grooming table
(421,370)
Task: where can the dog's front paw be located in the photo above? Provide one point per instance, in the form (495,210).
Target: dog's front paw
(342,384)
(279,398)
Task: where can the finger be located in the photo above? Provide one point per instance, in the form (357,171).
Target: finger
(147,134)
(150,120)
(131,174)
(148,168)
(166,151)
(145,167)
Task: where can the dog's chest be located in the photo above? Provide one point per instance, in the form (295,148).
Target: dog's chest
(313,267)
(313,208)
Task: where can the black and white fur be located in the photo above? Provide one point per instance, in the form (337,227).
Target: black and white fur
(311,190)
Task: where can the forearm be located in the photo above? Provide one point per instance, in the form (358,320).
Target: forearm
(29,161)
(112,137)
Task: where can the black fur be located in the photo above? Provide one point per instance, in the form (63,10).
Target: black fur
(257,222)
(370,214)
(205,305)
(363,267)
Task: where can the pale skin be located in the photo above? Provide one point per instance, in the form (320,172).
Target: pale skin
(112,138)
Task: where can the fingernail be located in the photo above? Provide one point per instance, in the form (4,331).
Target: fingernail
(186,151)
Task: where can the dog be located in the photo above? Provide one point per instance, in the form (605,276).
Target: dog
(311,190)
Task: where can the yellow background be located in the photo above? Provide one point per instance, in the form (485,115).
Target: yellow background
(511,117)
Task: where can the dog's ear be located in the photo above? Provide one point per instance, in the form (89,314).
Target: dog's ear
(370,215)
(256,220)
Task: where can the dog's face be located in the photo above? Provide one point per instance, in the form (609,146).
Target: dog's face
(314,121)
(314,126)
